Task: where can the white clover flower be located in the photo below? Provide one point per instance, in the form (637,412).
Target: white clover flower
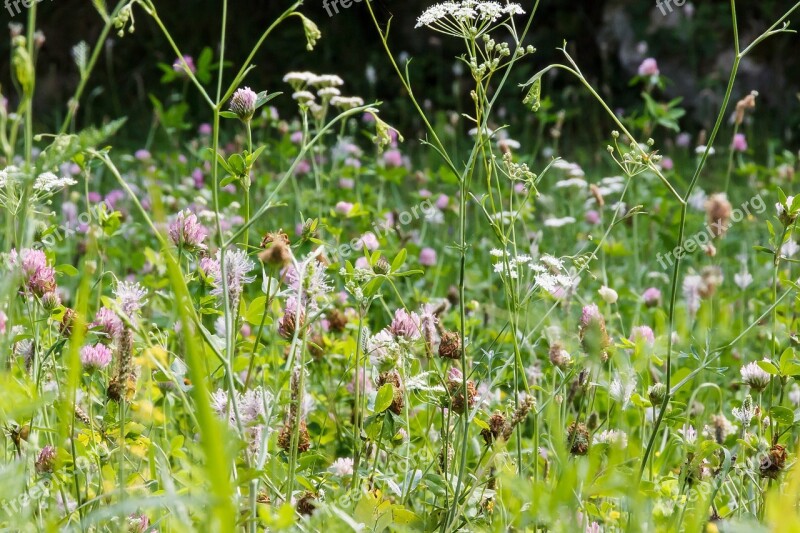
(612,437)
(621,392)
(754,376)
(608,294)
(342,467)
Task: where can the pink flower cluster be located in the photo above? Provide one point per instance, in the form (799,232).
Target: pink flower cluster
(40,278)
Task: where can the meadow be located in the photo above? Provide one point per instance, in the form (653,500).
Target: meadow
(317,321)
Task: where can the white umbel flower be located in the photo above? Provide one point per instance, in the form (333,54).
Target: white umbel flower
(49,182)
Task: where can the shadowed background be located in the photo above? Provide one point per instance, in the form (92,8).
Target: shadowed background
(608,39)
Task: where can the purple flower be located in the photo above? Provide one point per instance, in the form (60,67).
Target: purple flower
(667,163)
(393,158)
(683,140)
(297,137)
(142,155)
(369,240)
(427,257)
(199,179)
(205,129)
(739,142)
(40,278)
(237,268)
(178,66)
(590,314)
(649,67)
(405,324)
(344,208)
(303,167)
(96,357)
(442,201)
(651,297)
(644,334)
(187,232)
(243,103)
(3,323)
(592,217)
(108,322)
(131,297)
(346,183)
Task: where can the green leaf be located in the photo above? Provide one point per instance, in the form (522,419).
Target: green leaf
(263,98)
(399,260)
(786,360)
(228,114)
(783,415)
(384,398)
(236,162)
(67,270)
(769,368)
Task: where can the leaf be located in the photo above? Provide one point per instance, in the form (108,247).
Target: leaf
(384,398)
(783,415)
(786,360)
(399,260)
(236,162)
(67,270)
(228,114)
(263,98)
(768,367)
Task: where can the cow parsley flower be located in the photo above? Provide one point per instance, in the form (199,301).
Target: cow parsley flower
(49,182)
(467,18)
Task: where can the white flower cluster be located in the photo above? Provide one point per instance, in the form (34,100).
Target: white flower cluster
(326,87)
(612,437)
(49,182)
(251,405)
(453,18)
(549,272)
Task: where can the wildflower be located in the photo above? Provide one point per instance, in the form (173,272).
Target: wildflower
(393,158)
(691,292)
(51,301)
(746,412)
(754,376)
(720,429)
(786,214)
(592,217)
(794,395)
(405,325)
(748,102)
(450,345)
(46,461)
(559,356)
(643,334)
(305,505)
(427,257)
(455,385)
(499,429)
(612,437)
(40,277)
(621,392)
(108,322)
(181,65)
(243,103)
(688,433)
(608,294)
(292,319)
(49,182)
(467,18)
(285,437)
(130,296)
(743,279)
(342,467)
(578,439)
(773,462)
(96,357)
(277,249)
(186,232)
(656,393)
(648,67)
(592,332)
(142,154)
(138,523)
(718,209)
(237,266)
(739,143)
(651,297)
(344,208)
